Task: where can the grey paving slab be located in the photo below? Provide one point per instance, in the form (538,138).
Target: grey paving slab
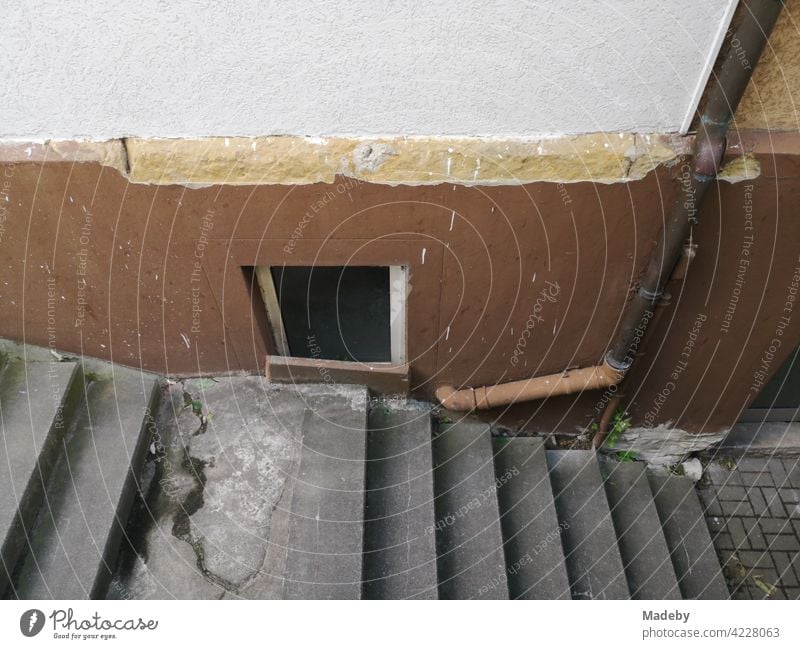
(468,535)
(75,541)
(642,545)
(534,557)
(693,556)
(399,532)
(326,513)
(36,402)
(590,546)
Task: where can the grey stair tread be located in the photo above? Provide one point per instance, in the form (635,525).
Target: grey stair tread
(326,512)
(88,499)
(693,556)
(594,565)
(34,400)
(399,533)
(534,557)
(468,536)
(644,551)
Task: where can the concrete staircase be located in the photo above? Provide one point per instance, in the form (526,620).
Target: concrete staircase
(114,483)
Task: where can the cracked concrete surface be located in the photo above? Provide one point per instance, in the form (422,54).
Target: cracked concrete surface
(216,474)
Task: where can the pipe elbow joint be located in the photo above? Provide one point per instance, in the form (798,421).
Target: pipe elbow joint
(459,400)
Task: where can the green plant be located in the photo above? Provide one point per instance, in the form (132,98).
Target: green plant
(627,456)
(620,422)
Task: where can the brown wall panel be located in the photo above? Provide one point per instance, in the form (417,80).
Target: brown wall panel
(153,276)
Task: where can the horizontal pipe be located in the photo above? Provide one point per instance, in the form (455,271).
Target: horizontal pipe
(539,387)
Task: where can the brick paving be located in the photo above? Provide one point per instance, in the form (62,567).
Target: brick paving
(753,511)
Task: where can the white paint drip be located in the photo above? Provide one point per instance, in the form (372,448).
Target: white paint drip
(452,220)
(424,250)
(186,340)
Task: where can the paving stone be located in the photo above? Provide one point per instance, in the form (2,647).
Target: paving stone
(792,468)
(645,556)
(692,551)
(750,464)
(774,505)
(75,542)
(755,560)
(730,493)
(774,525)
(723,541)
(778,472)
(763,479)
(738,533)
(792,593)
(783,543)
(790,496)
(722,476)
(36,402)
(399,530)
(594,564)
(534,555)
(783,564)
(734,509)
(757,501)
(469,540)
(755,538)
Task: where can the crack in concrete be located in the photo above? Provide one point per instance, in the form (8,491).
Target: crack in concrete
(194,500)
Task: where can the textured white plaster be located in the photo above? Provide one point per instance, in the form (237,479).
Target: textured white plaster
(364,67)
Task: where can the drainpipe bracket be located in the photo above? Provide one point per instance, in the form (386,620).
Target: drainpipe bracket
(650,296)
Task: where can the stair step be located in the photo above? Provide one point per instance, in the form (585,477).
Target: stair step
(594,565)
(644,551)
(534,556)
(468,537)
(76,538)
(326,514)
(691,549)
(399,533)
(36,400)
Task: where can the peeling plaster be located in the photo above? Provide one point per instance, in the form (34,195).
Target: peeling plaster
(664,444)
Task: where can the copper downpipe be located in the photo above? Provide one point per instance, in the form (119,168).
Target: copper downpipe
(726,91)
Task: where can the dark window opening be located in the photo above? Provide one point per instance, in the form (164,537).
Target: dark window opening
(335,312)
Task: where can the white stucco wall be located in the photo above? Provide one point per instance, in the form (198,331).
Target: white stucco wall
(169,68)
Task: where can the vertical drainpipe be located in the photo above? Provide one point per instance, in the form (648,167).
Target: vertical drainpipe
(709,146)
(726,91)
